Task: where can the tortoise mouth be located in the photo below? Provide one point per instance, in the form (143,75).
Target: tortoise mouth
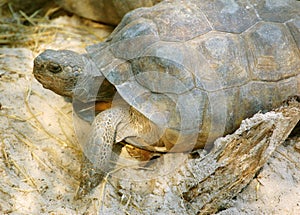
(59,85)
(43,78)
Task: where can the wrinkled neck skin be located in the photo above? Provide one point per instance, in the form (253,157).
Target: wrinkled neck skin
(141,132)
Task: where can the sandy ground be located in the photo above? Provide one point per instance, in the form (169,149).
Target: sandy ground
(40,156)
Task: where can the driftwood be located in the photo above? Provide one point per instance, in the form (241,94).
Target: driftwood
(206,184)
(238,159)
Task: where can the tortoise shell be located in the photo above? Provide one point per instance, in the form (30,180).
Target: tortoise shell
(198,68)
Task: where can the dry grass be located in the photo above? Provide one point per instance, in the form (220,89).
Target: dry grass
(17,29)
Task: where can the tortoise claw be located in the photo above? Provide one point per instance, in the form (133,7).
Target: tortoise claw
(90,178)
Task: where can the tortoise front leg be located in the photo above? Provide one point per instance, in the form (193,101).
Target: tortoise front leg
(98,149)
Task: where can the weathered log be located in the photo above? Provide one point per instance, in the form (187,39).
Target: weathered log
(236,160)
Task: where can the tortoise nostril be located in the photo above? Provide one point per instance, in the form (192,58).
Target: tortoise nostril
(54,68)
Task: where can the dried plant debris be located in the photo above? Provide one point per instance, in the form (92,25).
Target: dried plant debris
(17,29)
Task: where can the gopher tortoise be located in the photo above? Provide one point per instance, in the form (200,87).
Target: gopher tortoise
(188,72)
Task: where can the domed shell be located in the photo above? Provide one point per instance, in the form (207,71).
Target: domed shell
(203,66)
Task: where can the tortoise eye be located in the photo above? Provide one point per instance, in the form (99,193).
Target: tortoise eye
(54,68)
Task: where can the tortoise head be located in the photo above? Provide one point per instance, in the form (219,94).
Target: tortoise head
(59,70)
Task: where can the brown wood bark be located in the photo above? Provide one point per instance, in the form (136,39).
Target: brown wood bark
(237,160)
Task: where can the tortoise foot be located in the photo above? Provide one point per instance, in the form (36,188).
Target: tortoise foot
(90,178)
